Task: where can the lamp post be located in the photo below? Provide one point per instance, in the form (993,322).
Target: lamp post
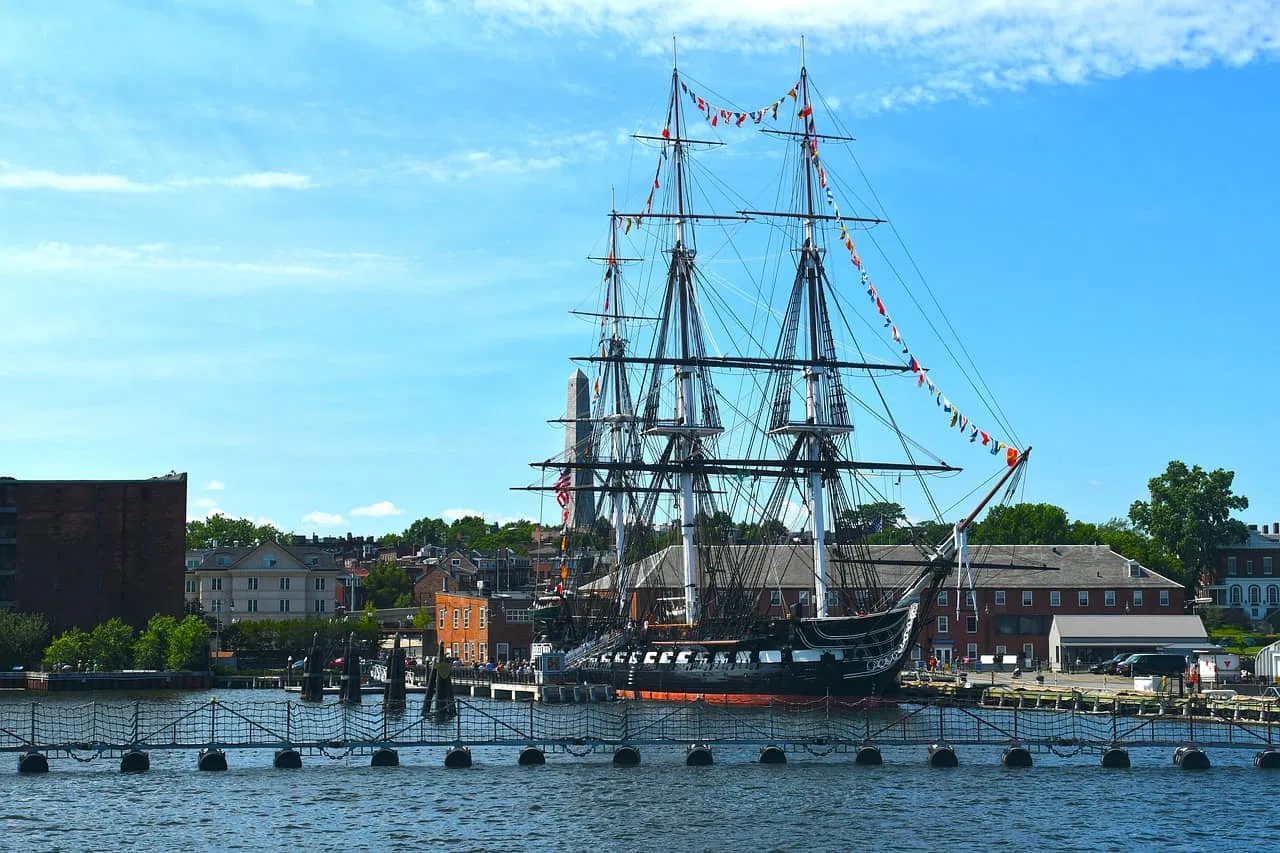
(288,672)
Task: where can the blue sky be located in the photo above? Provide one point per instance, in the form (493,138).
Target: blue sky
(320,255)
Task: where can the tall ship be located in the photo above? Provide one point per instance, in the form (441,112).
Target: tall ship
(728,488)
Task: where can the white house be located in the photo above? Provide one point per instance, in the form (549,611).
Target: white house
(270,581)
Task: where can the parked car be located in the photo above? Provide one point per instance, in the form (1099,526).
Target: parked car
(1153,664)
(1108,667)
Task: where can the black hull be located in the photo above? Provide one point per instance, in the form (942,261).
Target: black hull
(848,657)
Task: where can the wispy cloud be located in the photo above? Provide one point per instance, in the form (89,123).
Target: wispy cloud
(952,49)
(206,503)
(473,165)
(322,519)
(13,178)
(215,486)
(381,509)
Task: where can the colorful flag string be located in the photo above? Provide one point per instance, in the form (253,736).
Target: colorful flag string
(718,116)
(923,380)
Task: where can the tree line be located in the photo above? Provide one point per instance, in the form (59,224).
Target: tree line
(165,643)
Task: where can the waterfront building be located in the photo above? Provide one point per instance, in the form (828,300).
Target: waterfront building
(1016,593)
(84,551)
(268,581)
(1245,575)
(477,627)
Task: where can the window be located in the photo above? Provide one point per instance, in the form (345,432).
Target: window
(1273,594)
(252,605)
(775,598)
(319,605)
(971,652)
(453,649)
(455,617)
(1137,598)
(1028,651)
(1231,565)
(482,652)
(313,561)
(1235,595)
(1027,598)
(284,605)
(971,624)
(455,562)
(191,586)
(1001,651)
(320,583)
(1084,598)
(466,618)
(1109,598)
(251,583)
(284,584)
(216,605)
(1055,598)
(969,599)
(502,650)
(942,598)
(224,560)
(999,596)
(1248,567)
(942,625)
(483,611)
(1164,598)
(1266,565)
(192,562)
(215,584)
(269,561)
(1255,595)
(833,598)
(804,597)
(444,615)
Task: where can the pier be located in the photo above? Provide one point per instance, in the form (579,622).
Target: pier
(38,732)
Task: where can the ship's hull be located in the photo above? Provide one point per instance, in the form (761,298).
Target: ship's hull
(803,659)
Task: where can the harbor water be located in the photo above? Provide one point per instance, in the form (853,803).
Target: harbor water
(578,803)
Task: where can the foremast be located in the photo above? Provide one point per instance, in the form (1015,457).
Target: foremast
(621,419)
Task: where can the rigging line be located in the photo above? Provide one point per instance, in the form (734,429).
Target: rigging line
(990,399)
(906,448)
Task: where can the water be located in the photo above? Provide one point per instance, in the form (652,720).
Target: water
(572,803)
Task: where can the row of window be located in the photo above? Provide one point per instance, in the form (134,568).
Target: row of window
(944,653)
(1055,598)
(284,604)
(466,616)
(251,584)
(1255,594)
(1248,566)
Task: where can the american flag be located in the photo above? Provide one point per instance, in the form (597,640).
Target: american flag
(562,488)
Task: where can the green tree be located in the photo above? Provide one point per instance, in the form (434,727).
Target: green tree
(1189,515)
(151,649)
(466,530)
(188,645)
(1023,524)
(111,645)
(230,532)
(70,648)
(1118,535)
(23,637)
(714,529)
(386,583)
(422,619)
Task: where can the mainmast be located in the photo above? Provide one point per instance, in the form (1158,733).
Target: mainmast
(621,416)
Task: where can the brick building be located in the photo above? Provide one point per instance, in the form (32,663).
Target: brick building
(1245,576)
(1018,589)
(83,551)
(475,627)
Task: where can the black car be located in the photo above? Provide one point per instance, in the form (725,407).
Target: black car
(1108,667)
(1152,664)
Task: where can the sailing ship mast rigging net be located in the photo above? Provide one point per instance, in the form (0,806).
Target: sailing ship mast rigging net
(728,405)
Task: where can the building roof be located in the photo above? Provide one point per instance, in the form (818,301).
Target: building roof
(208,557)
(994,567)
(1119,629)
(172,477)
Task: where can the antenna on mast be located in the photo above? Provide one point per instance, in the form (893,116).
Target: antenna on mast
(802,50)
(673,50)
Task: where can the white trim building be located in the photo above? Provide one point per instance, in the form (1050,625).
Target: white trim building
(1096,638)
(266,582)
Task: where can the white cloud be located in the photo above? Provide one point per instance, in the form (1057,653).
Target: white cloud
(322,519)
(471,165)
(15,178)
(39,179)
(264,521)
(381,509)
(214,486)
(951,49)
(206,503)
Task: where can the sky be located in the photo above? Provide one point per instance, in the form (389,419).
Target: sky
(320,255)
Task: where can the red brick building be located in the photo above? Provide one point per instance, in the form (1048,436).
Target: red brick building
(83,551)
(1246,576)
(1017,591)
(474,627)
